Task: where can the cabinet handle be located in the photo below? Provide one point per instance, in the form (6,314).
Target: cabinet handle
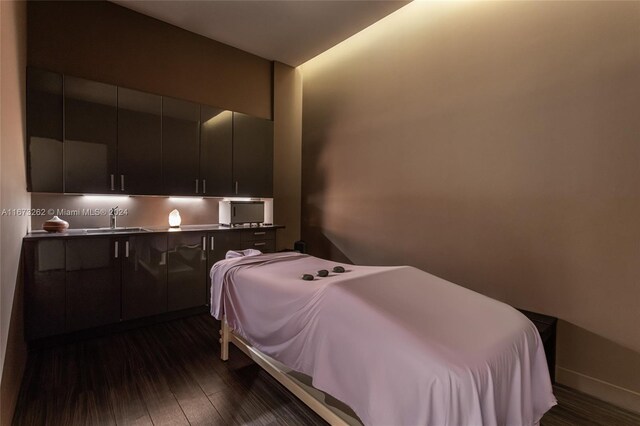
(113,186)
(204,243)
(204,186)
(259,244)
(126,249)
(115,248)
(259,233)
(196,186)
(212,244)
(236,187)
(121,182)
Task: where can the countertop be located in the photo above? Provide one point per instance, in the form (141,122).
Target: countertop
(133,230)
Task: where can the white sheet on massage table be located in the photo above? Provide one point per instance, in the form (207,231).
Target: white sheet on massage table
(398,345)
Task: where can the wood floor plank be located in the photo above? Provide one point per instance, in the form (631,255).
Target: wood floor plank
(270,393)
(577,408)
(237,408)
(126,401)
(161,403)
(199,356)
(194,402)
(96,384)
(171,373)
(87,410)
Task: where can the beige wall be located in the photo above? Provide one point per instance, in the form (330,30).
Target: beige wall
(494,144)
(102,41)
(13,195)
(287,115)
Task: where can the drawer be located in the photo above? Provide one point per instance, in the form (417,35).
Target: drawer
(265,246)
(258,235)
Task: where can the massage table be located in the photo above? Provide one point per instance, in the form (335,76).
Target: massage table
(397,345)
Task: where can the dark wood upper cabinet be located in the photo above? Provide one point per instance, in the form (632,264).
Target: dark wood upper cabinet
(187,270)
(144,276)
(139,143)
(91,136)
(252,156)
(216,151)
(181,147)
(44,131)
(93,282)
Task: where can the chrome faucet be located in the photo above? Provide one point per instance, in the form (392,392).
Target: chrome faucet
(112,217)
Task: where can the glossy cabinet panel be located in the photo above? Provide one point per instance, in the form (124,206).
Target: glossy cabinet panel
(187,270)
(218,243)
(144,276)
(44,288)
(88,137)
(264,246)
(78,283)
(252,156)
(90,119)
(139,143)
(44,131)
(93,283)
(259,239)
(216,151)
(181,147)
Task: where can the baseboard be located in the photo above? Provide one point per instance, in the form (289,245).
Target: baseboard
(616,395)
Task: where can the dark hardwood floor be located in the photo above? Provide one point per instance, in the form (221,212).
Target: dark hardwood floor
(171,374)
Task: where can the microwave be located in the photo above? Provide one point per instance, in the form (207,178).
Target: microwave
(241,212)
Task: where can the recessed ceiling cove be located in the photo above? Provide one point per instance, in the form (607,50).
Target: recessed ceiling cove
(291,32)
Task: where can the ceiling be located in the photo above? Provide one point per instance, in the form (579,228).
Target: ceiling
(291,32)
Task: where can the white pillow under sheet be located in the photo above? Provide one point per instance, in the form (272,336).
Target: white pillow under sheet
(231,254)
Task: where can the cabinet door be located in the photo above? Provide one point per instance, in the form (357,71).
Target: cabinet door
(90,117)
(218,243)
(252,156)
(181,147)
(187,270)
(44,299)
(44,131)
(144,276)
(93,282)
(139,143)
(216,151)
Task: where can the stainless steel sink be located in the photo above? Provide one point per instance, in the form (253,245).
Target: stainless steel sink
(119,229)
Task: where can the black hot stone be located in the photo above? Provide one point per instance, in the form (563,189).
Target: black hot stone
(338,269)
(323,273)
(307,277)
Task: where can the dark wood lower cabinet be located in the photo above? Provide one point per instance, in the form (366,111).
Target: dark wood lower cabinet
(218,243)
(93,283)
(144,276)
(187,270)
(80,283)
(45,288)
(258,239)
